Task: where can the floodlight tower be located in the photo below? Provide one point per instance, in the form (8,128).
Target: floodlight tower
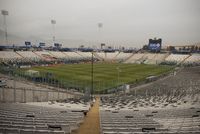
(100,26)
(5,13)
(53,22)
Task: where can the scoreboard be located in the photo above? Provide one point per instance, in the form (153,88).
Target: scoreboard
(27,43)
(155,45)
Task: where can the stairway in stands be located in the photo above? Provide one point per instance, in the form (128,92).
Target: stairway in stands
(91,124)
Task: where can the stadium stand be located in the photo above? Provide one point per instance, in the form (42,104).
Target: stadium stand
(73,55)
(123,56)
(146,58)
(170,121)
(170,105)
(111,56)
(28,55)
(193,59)
(149,58)
(159,58)
(177,58)
(85,55)
(100,55)
(53,117)
(136,58)
(45,55)
(154,58)
(58,54)
(9,55)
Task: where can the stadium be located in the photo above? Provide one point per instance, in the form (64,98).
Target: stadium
(52,88)
(135,92)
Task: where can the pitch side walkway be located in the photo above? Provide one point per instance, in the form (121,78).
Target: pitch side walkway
(91,124)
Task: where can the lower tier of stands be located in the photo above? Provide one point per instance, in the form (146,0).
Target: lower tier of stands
(169,105)
(42,118)
(157,121)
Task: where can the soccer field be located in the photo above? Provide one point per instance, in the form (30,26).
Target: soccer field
(106,75)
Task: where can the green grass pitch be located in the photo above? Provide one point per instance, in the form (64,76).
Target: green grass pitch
(106,75)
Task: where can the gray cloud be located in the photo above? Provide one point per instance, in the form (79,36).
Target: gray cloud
(125,22)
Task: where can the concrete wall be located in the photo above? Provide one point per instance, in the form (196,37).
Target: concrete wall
(31,95)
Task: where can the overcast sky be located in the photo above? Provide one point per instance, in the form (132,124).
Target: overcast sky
(125,22)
